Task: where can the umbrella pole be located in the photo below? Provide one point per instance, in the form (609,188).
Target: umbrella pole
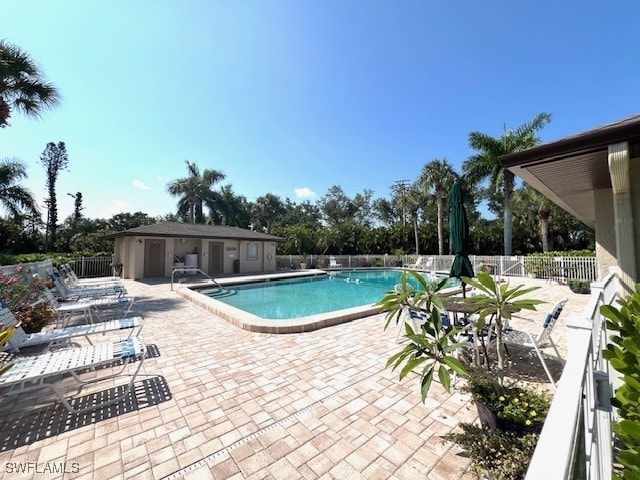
(464,290)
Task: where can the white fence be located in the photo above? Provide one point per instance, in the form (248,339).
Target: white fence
(88,267)
(575,442)
(554,268)
(36,267)
(85,267)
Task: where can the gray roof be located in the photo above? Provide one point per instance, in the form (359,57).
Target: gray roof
(569,170)
(196,230)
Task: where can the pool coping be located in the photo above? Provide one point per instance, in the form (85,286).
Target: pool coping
(254,323)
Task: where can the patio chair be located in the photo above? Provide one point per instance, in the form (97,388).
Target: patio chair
(537,341)
(333,263)
(67,293)
(65,335)
(417,264)
(33,373)
(92,309)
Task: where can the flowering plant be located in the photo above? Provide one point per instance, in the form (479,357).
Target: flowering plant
(22,294)
(518,407)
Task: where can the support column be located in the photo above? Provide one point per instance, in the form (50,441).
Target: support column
(623,211)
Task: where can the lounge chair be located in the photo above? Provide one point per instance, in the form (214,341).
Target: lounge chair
(333,263)
(537,341)
(65,335)
(29,374)
(67,293)
(92,309)
(421,264)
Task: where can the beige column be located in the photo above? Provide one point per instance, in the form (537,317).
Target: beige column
(625,239)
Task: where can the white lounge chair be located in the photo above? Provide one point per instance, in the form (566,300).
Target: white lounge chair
(67,293)
(92,309)
(537,341)
(29,374)
(333,263)
(58,336)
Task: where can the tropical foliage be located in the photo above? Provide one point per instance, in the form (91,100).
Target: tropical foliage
(485,164)
(432,350)
(499,301)
(195,191)
(23,87)
(623,354)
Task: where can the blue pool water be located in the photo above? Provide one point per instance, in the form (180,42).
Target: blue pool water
(285,299)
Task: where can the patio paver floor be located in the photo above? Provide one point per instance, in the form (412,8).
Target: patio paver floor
(215,401)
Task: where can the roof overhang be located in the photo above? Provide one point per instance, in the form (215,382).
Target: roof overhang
(569,170)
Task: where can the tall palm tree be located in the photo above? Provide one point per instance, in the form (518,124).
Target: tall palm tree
(485,164)
(267,209)
(438,175)
(413,202)
(14,198)
(193,191)
(22,85)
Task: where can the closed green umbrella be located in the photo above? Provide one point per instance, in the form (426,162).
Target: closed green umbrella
(459,232)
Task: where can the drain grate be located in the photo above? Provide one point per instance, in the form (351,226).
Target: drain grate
(223,451)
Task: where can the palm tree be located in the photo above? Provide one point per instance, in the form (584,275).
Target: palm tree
(485,164)
(22,85)
(193,191)
(267,209)
(439,175)
(15,199)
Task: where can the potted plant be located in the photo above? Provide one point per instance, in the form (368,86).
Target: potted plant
(511,418)
(433,348)
(508,408)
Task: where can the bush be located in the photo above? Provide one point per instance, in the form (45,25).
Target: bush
(623,354)
(579,286)
(22,294)
(521,409)
(506,455)
(33,318)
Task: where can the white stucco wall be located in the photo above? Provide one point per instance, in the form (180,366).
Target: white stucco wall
(605,232)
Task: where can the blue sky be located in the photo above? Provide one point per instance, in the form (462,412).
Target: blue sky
(292,97)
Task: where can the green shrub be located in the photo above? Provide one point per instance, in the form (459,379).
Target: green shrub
(580,286)
(505,455)
(623,354)
(519,406)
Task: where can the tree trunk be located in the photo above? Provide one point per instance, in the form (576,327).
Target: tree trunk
(499,347)
(440,234)
(544,211)
(415,234)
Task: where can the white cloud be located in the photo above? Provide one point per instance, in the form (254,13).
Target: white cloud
(116,206)
(304,192)
(140,185)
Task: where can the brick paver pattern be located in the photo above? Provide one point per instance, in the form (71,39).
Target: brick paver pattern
(218,402)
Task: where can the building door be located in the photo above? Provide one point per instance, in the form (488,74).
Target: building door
(216,251)
(153,258)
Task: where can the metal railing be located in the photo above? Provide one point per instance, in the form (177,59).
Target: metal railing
(88,267)
(575,442)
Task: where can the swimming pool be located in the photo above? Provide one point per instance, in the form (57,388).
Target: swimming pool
(301,304)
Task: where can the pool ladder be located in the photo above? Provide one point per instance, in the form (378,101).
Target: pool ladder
(193,270)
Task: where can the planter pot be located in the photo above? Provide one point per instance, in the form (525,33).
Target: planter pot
(489,419)
(532,275)
(303,265)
